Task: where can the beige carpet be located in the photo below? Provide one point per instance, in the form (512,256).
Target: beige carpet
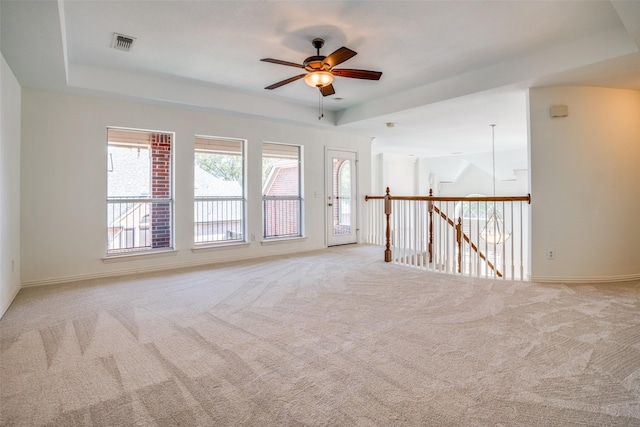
(334,337)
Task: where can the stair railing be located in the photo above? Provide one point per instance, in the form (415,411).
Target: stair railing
(409,230)
(459,236)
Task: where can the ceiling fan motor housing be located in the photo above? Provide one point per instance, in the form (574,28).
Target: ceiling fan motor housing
(314,63)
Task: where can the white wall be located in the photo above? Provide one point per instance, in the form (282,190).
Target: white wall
(473,180)
(452,175)
(585,184)
(9,186)
(399,173)
(455,173)
(409,177)
(64,182)
(427,180)
(377,186)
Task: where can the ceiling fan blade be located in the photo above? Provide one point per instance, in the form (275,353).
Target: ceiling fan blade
(357,74)
(327,90)
(277,61)
(284,82)
(339,56)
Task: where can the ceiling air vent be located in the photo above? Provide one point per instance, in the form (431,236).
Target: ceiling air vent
(122,42)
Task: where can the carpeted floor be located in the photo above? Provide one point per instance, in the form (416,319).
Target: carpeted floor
(333,337)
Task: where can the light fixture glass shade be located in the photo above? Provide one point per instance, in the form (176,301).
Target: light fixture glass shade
(495,231)
(319,78)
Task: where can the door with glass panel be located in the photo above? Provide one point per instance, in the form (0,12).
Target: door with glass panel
(341,197)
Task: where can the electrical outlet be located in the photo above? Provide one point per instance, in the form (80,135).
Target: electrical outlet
(253,237)
(551,254)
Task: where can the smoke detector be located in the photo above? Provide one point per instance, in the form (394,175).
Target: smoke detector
(122,42)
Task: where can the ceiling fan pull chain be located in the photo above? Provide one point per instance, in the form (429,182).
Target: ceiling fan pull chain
(320,105)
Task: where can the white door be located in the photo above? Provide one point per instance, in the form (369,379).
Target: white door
(341,200)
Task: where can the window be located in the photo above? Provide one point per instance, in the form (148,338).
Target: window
(476,210)
(139,191)
(219,196)
(343,182)
(281,190)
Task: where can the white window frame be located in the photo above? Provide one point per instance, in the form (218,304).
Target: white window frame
(132,137)
(273,199)
(217,146)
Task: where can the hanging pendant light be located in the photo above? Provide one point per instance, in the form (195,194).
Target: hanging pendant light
(494,231)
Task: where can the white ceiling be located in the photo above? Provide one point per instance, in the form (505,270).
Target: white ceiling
(450,68)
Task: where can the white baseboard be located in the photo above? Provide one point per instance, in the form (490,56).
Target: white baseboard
(107,274)
(597,279)
(138,270)
(12,296)
(152,268)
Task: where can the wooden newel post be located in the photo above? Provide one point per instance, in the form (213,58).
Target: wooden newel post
(430,204)
(387,212)
(459,242)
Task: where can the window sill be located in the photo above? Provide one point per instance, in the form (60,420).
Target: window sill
(219,246)
(278,241)
(139,255)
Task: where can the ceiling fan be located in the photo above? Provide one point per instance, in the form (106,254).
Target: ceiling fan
(320,69)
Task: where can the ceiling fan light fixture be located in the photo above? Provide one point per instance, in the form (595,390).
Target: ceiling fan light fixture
(319,79)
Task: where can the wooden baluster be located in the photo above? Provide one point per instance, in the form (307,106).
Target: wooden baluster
(387,212)
(459,241)
(430,204)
